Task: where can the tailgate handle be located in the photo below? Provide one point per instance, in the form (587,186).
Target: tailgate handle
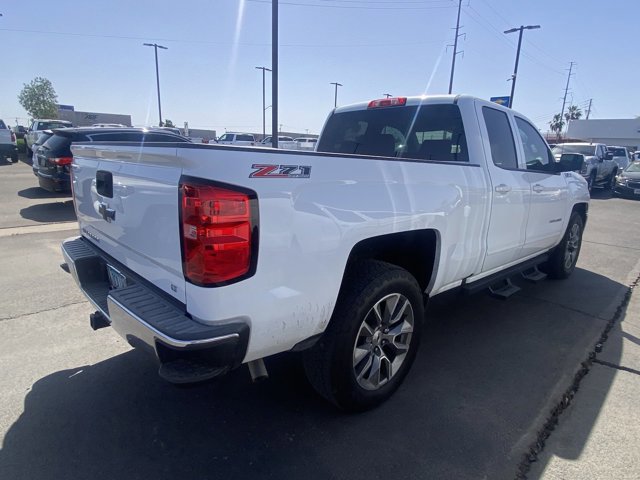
(104,183)
(109,214)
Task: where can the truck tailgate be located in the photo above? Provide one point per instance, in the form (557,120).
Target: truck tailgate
(126,200)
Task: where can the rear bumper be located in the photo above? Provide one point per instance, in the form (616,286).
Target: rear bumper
(147,317)
(625,191)
(53,183)
(8,149)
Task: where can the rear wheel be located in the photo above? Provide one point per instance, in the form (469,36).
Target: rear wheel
(565,256)
(14,158)
(371,341)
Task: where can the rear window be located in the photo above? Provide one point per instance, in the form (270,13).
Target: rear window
(244,138)
(588,150)
(618,152)
(2,125)
(52,125)
(426,132)
(43,138)
(58,144)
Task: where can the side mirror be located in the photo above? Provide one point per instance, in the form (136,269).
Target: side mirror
(608,156)
(570,162)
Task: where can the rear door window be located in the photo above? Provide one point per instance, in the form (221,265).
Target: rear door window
(244,138)
(425,132)
(503,147)
(2,125)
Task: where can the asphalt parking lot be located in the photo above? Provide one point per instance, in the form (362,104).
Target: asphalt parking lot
(81,404)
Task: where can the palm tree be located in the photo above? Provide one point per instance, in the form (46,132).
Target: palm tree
(557,124)
(574,113)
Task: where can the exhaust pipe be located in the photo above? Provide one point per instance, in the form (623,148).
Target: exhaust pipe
(257,370)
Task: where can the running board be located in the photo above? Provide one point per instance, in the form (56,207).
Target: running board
(533,275)
(503,289)
(496,281)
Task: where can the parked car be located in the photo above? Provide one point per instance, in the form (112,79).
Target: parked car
(8,147)
(599,169)
(246,139)
(39,125)
(635,157)
(286,143)
(628,181)
(330,253)
(306,143)
(620,156)
(44,136)
(53,159)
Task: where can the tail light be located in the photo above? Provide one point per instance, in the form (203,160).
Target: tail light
(388,102)
(13,137)
(61,160)
(219,232)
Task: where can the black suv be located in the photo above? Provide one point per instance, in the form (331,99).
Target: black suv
(52,162)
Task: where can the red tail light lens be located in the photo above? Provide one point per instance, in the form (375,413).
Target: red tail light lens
(217,233)
(13,137)
(388,102)
(62,160)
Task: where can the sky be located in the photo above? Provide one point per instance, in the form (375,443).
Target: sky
(93,54)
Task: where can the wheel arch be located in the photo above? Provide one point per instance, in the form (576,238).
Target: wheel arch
(417,251)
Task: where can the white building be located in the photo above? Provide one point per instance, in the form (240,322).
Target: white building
(620,132)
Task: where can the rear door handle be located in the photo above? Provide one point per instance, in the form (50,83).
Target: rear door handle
(538,188)
(502,188)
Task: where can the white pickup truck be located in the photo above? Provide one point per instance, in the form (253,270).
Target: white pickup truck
(215,256)
(8,147)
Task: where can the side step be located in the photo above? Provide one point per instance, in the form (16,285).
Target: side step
(182,371)
(503,289)
(533,275)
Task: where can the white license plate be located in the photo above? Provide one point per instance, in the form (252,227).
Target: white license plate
(636,191)
(116,279)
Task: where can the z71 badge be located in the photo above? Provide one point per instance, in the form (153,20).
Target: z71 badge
(280,171)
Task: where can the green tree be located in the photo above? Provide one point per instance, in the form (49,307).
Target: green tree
(574,113)
(39,98)
(557,124)
(168,123)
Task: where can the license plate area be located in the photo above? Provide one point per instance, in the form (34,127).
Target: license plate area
(116,278)
(636,191)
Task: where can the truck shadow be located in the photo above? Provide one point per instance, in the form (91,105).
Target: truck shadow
(50,212)
(487,374)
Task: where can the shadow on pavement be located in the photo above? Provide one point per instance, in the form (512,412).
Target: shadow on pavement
(50,212)
(34,193)
(486,376)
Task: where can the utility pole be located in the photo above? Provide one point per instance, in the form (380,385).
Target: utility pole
(387,95)
(455,48)
(566,90)
(515,70)
(264,110)
(155,48)
(335,98)
(274,73)
(589,109)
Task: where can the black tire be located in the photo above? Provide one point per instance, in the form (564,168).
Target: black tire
(591,181)
(14,158)
(330,364)
(611,184)
(559,266)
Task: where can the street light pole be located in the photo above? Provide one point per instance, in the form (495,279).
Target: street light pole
(264,110)
(155,48)
(515,70)
(335,98)
(274,73)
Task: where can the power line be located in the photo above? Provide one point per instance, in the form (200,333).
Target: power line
(354,7)
(222,44)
